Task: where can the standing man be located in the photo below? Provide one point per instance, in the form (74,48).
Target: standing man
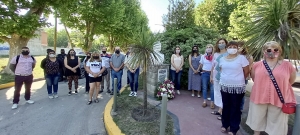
(105,59)
(22,65)
(61,58)
(117,64)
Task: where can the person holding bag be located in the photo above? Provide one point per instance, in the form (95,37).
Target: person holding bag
(272,92)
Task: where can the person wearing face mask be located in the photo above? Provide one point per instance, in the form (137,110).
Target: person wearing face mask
(177,62)
(22,66)
(265,107)
(86,74)
(61,58)
(234,69)
(206,64)
(105,59)
(219,52)
(194,77)
(72,64)
(93,67)
(51,66)
(117,63)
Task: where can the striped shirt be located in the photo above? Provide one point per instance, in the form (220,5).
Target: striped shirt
(105,59)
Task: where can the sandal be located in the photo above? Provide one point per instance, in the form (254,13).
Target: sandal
(89,102)
(204,104)
(219,117)
(96,101)
(223,130)
(216,113)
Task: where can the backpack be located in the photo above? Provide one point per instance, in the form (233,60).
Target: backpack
(17,61)
(18,57)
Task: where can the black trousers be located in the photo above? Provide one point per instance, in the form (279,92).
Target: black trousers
(19,80)
(87,82)
(231,114)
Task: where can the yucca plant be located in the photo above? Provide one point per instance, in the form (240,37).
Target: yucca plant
(144,55)
(275,20)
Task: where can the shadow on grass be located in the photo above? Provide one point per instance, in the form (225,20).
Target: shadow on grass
(129,126)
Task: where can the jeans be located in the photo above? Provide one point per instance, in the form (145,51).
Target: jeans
(231,114)
(52,81)
(117,75)
(87,82)
(19,80)
(133,79)
(175,77)
(205,79)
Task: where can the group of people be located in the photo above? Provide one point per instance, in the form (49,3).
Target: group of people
(225,69)
(99,68)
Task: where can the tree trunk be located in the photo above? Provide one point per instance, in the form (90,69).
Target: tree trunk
(145,87)
(69,38)
(15,43)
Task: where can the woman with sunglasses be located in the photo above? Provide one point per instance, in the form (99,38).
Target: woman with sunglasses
(72,64)
(52,66)
(265,112)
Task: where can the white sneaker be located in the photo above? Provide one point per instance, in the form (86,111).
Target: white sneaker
(193,95)
(178,92)
(199,96)
(51,97)
(208,99)
(55,96)
(15,106)
(135,94)
(130,94)
(29,101)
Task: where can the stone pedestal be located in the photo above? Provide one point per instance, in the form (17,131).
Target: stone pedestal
(156,74)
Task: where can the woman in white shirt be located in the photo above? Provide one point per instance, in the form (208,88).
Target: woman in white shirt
(95,67)
(206,64)
(176,68)
(234,70)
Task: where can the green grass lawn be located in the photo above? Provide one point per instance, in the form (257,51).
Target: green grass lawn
(6,78)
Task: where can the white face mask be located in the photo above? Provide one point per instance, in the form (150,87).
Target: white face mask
(52,55)
(177,51)
(232,50)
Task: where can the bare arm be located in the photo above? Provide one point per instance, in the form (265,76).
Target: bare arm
(182,62)
(246,71)
(190,62)
(172,61)
(293,77)
(78,64)
(252,73)
(66,64)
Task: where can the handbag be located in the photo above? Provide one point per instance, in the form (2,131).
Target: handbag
(104,73)
(288,108)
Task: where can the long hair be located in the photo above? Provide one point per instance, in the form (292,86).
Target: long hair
(217,45)
(95,54)
(273,44)
(68,55)
(87,55)
(193,49)
(175,50)
(245,49)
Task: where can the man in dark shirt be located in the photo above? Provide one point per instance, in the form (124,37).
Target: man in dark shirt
(61,58)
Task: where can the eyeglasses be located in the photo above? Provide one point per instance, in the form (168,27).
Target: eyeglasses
(274,50)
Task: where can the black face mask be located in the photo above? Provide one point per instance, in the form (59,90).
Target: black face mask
(88,57)
(62,52)
(194,51)
(117,51)
(104,52)
(95,57)
(72,54)
(25,52)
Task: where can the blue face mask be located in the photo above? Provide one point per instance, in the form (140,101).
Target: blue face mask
(222,46)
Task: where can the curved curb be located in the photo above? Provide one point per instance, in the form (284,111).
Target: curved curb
(110,126)
(11,84)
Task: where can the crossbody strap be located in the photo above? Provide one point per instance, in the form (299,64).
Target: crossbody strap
(274,82)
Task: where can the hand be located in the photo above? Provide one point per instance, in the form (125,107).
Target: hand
(117,69)
(195,71)
(211,80)
(95,75)
(132,71)
(74,70)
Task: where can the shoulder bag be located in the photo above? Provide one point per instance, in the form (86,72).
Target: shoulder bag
(288,108)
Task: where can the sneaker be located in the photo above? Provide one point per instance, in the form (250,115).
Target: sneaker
(108,91)
(135,94)
(131,94)
(15,106)
(51,97)
(193,95)
(178,92)
(86,92)
(29,101)
(76,92)
(55,96)
(199,96)
(70,93)
(208,99)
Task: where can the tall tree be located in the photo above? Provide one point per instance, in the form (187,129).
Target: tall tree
(62,37)
(20,19)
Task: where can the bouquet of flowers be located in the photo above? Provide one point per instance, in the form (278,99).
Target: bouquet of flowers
(167,87)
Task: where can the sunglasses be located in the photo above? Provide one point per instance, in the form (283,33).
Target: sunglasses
(274,50)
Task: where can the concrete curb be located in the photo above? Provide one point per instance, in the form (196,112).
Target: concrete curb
(11,84)
(110,126)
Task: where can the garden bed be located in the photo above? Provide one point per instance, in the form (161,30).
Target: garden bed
(129,110)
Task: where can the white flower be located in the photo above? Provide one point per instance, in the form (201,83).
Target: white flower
(163,89)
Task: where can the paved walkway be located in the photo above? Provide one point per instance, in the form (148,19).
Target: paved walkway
(66,115)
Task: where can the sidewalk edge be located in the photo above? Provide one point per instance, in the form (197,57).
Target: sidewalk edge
(110,126)
(11,84)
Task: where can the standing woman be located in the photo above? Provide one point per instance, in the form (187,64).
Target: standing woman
(86,74)
(194,71)
(220,51)
(93,67)
(234,70)
(133,72)
(72,63)
(176,68)
(265,106)
(206,64)
(52,67)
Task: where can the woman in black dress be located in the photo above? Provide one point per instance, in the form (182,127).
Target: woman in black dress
(72,64)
